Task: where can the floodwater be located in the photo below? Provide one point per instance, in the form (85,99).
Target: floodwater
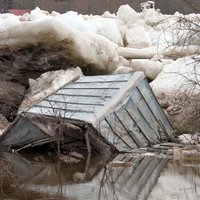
(137,177)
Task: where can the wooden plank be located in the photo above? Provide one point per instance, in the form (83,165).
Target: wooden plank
(119,129)
(109,130)
(155,107)
(78,99)
(69,106)
(66,109)
(98,143)
(64,114)
(113,138)
(104,78)
(147,113)
(130,127)
(121,95)
(91,85)
(147,132)
(87,92)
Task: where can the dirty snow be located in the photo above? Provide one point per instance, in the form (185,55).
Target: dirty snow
(48,83)
(97,38)
(189,138)
(179,75)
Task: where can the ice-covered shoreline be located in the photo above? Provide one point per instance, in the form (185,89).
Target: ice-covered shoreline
(147,41)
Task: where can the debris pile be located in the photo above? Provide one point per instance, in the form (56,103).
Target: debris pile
(120,42)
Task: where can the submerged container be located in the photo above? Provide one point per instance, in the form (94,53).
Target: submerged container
(118,111)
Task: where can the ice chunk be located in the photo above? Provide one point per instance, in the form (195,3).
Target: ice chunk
(127,14)
(8,20)
(74,20)
(150,68)
(108,28)
(137,37)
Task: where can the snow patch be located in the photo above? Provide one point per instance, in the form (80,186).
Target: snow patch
(189,138)
(178,76)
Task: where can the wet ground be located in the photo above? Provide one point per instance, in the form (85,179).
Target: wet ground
(152,176)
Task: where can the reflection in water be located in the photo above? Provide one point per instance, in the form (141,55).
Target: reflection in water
(42,174)
(180,180)
(126,177)
(134,181)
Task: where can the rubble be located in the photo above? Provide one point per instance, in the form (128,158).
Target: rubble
(35,43)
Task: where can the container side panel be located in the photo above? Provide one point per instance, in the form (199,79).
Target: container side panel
(149,97)
(147,113)
(147,132)
(23,133)
(107,78)
(74,114)
(130,126)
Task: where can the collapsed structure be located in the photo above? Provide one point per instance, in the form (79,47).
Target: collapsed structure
(117,112)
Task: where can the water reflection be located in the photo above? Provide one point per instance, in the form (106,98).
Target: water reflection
(44,175)
(134,181)
(179,180)
(126,177)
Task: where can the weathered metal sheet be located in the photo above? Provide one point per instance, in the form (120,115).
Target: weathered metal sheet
(156,109)
(83,98)
(121,108)
(21,134)
(114,133)
(142,122)
(105,78)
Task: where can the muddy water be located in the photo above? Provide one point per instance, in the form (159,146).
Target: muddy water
(154,177)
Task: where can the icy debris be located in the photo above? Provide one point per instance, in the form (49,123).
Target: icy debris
(127,14)
(123,70)
(46,84)
(176,76)
(8,21)
(54,14)
(85,35)
(189,138)
(151,16)
(107,14)
(177,89)
(103,26)
(150,68)
(105,42)
(73,19)
(89,48)
(134,53)
(38,14)
(137,37)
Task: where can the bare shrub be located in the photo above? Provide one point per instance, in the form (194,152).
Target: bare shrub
(182,39)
